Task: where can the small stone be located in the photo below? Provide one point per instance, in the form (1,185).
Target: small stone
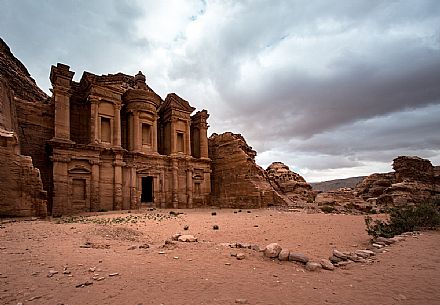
(161,252)
(240,256)
(339,254)
(81,285)
(255,247)
(144,246)
(298,257)
(343,263)
(132,247)
(113,274)
(272,250)
(228,264)
(176,236)
(364,253)
(378,246)
(284,255)
(214,213)
(92,269)
(186,228)
(387,241)
(335,259)
(355,258)
(313,266)
(175,257)
(241,301)
(215,227)
(187,238)
(52,273)
(327,264)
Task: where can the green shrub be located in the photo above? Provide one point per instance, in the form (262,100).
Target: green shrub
(328,209)
(425,216)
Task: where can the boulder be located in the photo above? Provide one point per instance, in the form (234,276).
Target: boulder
(187,238)
(272,250)
(284,255)
(298,257)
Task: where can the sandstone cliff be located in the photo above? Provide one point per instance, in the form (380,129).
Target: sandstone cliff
(33,111)
(236,180)
(290,184)
(414,181)
(21,188)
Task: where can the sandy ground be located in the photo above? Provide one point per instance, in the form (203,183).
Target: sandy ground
(205,272)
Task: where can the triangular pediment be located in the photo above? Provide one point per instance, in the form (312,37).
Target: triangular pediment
(175,102)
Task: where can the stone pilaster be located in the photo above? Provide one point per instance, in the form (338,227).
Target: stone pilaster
(175,191)
(117,126)
(61,200)
(189,187)
(61,78)
(117,201)
(94,187)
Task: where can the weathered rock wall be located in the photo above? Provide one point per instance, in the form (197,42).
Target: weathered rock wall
(236,180)
(21,189)
(36,126)
(414,181)
(290,184)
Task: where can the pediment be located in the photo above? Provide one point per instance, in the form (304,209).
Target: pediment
(175,102)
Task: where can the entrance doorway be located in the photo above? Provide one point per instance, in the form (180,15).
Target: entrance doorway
(147,189)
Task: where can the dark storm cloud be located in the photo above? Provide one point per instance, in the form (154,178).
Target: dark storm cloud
(320,85)
(88,35)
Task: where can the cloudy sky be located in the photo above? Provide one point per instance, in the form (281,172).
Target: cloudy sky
(331,88)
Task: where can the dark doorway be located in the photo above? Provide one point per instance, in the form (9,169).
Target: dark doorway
(147,189)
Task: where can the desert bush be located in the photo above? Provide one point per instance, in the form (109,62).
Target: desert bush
(422,217)
(328,209)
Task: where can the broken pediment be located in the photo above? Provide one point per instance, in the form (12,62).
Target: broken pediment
(175,102)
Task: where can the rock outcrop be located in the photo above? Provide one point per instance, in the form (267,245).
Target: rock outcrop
(342,200)
(290,184)
(414,181)
(237,181)
(21,188)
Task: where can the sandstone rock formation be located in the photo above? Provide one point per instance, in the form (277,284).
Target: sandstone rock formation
(290,184)
(342,200)
(237,181)
(414,181)
(21,189)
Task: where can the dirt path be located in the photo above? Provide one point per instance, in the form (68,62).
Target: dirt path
(205,272)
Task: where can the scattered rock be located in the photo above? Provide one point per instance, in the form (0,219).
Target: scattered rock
(339,254)
(240,256)
(52,273)
(284,255)
(313,266)
(364,253)
(113,274)
(214,213)
(386,241)
(187,238)
(186,227)
(81,285)
(241,301)
(176,236)
(133,247)
(378,246)
(144,246)
(272,250)
(298,257)
(327,264)
(215,227)
(335,259)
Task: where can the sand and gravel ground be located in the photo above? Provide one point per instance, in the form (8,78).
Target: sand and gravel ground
(205,272)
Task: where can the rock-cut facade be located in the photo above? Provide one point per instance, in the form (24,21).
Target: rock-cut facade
(118,145)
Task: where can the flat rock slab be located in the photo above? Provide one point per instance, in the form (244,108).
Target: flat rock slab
(298,257)
(187,238)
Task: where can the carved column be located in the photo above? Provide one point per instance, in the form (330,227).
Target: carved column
(203,132)
(173,136)
(94,191)
(134,198)
(136,133)
(189,187)
(175,194)
(117,199)
(117,126)
(154,134)
(61,78)
(61,198)
(94,121)
(187,144)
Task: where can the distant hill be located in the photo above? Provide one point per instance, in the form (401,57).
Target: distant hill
(330,185)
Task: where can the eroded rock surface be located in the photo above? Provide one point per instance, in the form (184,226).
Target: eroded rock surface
(237,181)
(290,184)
